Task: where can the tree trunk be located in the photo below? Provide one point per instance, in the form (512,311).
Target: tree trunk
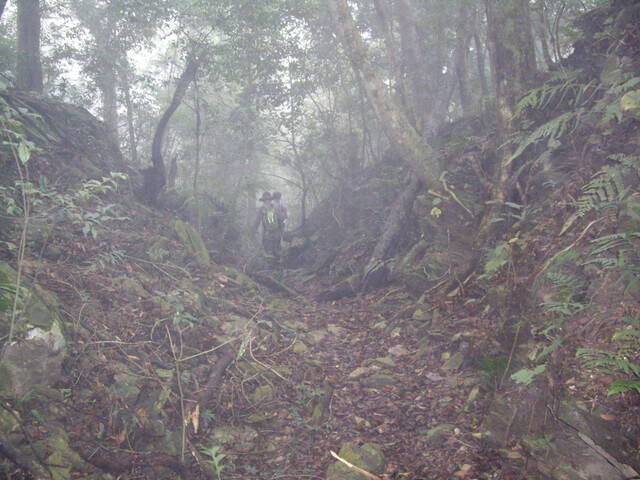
(541,30)
(156,176)
(3,3)
(392,54)
(133,146)
(397,218)
(481,65)
(110,99)
(463,37)
(28,67)
(421,157)
(173,171)
(196,169)
(513,68)
(417,76)
(107,79)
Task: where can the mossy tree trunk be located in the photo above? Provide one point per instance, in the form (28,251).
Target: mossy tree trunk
(513,69)
(28,66)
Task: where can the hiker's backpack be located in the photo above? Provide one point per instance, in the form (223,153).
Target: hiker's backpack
(271,221)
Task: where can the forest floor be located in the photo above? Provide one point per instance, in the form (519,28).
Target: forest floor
(308,376)
(372,375)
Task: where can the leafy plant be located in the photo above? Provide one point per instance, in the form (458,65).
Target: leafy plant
(544,443)
(103,260)
(215,457)
(624,386)
(620,361)
(526,376)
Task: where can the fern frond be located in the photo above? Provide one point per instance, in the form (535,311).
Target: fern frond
(605,188)
(623,386)
(552,130)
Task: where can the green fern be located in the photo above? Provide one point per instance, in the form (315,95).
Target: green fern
(606,362)
(552,131)
(623,386)
(605,188)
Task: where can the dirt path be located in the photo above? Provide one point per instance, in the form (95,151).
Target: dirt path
(358,370)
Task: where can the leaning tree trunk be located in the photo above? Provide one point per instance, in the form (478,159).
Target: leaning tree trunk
(423,160)
(28,66)
(156,176)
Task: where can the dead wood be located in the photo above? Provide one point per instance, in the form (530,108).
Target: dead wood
(118,463)
(215,376)
(273,284)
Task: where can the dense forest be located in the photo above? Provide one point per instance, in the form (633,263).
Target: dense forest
(320,239)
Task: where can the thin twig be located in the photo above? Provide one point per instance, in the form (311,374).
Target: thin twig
(262,364)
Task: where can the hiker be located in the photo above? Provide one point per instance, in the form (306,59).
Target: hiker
(267,216)
(283,214)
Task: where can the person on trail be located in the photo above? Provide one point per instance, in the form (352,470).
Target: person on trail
(267,216)
(283,214)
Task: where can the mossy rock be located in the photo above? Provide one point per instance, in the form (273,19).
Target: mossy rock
(368,457)
(191,239)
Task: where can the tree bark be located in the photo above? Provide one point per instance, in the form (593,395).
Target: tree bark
(29,67)
(481,65)
(110,98)
(397,218)
(420,156)
(513,68)
(415,71)
(156,176)
(541,30)
(392,54)
(463,37)
(133,144)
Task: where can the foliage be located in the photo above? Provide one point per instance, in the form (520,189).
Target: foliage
(620,361)
(83,207)
(501,255)
(526,376)
(214,458)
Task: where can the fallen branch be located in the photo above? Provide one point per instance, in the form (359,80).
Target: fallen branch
(215,376)
(443,179)
(357,469)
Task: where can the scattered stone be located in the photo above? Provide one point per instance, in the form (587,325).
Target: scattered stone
(399,351)
(300,347)
(337,331)
(433,377)
(384,362)
(396,332)
(438,435)
(360,371)
(261,394)
(420,315)
(368,457)
(454,362)
(316,336)
(259,417)
(230,435)
(125,387)
(255,367)
(473,396)
(378,381)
